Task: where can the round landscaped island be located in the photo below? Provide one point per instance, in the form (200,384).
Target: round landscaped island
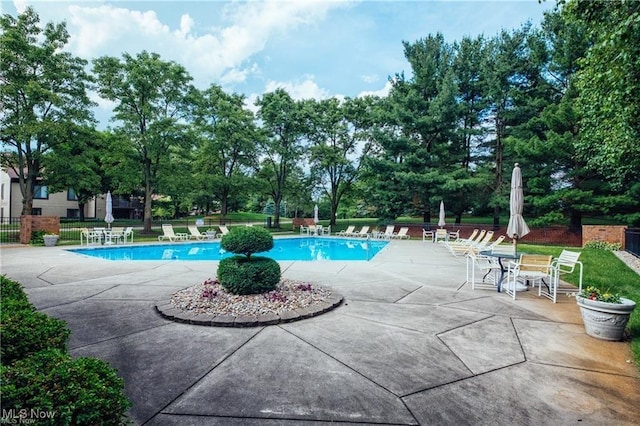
(211,304)
(249,290)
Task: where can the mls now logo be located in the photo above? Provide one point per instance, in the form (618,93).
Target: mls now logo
(25,416)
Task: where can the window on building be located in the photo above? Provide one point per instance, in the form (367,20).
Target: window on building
(73,213)
(71,195)
(41,192)
(2,192)
(36,211)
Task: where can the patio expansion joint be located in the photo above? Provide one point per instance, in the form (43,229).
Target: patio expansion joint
(39,276)
(462,379)
(350,368)
(203,375)
(118,337)
(82,299)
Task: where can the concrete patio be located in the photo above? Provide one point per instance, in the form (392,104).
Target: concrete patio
(411,345)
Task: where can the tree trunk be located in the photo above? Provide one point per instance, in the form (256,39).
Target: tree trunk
(426,213)
(81,210)
(575,222)
(27,187)
(276,213)
(496,218)
(147,211)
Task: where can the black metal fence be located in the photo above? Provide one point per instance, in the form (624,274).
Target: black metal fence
(10,230)
(632,240)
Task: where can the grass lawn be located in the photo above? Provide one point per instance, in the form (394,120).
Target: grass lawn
(604,270)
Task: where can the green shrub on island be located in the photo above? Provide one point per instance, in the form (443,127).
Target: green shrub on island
(248,274)
(247,240)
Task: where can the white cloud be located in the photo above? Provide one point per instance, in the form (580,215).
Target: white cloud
(307,89)
(20,5)
(384,92)
(218,54)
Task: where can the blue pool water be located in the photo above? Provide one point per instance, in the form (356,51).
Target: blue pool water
(304,248)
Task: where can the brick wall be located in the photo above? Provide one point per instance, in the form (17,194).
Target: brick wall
(606,233)
(30,224)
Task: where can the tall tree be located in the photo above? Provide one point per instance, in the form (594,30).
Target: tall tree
(283,125)
(608,102)
(419,141)
(151,105)
(227,149)
(506,79)
(76,163)
(42,93)
(339,142)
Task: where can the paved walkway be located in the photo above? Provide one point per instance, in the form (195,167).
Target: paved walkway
(412,344)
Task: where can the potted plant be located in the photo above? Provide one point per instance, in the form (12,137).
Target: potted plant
(605,314)
(50,240)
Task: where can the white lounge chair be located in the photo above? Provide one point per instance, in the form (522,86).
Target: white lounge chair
(223,230)
(169,234)
(461,247)
(346,232)
(402,233)
(194,232)
(364,231)
(388,232)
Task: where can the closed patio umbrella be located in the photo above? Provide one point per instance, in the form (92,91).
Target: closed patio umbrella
(315,214)
(108,217)
(517,227)
(441,221)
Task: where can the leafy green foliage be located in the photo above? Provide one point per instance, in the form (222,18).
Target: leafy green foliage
(37,373)
(151,105)
(247,240)
(37,237)
(244,275)
(27,331)
(43,94)
(81,391)
(603,245)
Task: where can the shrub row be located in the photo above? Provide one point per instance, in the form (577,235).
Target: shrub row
(38,375)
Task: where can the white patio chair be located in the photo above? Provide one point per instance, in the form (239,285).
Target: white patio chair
(566,263)
(534,268)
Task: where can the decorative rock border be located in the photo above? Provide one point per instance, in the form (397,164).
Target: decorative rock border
(169,311)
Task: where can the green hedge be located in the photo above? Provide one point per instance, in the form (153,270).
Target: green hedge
(84,391)
(37,374)
(26,331)
(243,275)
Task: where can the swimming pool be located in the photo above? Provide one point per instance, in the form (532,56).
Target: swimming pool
(304,248)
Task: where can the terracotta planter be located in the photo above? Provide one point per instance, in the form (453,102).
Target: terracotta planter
(604,320)
(50,240)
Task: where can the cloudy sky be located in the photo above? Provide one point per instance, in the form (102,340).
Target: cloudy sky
(311,48)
